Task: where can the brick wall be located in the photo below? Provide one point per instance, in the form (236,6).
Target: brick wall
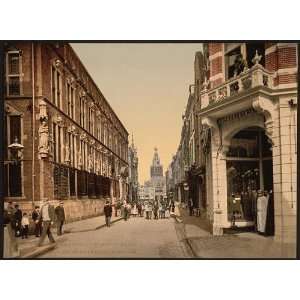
(214,48)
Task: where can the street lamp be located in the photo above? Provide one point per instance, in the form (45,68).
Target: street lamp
(16,150)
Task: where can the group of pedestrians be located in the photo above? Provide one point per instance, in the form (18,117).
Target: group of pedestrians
(148,209)
(43,219)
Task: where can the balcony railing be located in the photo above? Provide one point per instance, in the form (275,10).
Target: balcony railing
(249,79)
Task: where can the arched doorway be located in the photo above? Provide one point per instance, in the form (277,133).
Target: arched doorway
(249,169)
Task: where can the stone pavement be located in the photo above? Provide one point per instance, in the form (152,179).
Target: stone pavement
(238,245)
(135,238)
(28,247)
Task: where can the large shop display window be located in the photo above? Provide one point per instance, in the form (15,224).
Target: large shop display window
(249,169)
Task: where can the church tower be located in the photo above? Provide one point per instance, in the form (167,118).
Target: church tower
(156,170)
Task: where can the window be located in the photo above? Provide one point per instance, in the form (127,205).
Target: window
(13,171)
(91,121)
(82,112)
(71,100)
(56,86)
(54,142)
(234,62)
(13,73)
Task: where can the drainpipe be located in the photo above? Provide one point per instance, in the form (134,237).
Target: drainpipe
(33,125)
(298,149)
(2,114)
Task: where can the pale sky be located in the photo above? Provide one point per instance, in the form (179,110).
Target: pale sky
(147,87)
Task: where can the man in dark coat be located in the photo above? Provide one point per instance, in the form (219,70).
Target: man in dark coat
(60,217)
(18,218)
(107,212)
(37,222)
(47,215)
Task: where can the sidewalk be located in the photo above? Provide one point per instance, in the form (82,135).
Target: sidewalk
(29,249)
(239,245)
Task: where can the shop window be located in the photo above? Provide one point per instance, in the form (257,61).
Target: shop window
(13,73)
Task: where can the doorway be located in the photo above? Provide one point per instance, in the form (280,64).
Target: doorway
(249,169)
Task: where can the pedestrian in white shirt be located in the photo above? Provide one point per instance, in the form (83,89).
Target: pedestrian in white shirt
(25,226)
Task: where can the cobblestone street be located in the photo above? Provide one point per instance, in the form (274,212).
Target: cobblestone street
(136,238)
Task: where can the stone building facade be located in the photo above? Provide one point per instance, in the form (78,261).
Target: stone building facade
(133,180)
(246,95)
(248,116)
(75,146)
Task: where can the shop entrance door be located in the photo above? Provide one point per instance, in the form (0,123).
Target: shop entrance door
(249,169)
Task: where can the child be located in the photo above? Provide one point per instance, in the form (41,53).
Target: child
(25,226)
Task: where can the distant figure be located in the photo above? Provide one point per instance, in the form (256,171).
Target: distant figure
(107,213)
(18,218)
(60,217)
(160,209)
(37,222)
(25,226)
(191,206)
(125,210)
(155,210)
(139,208)
(134,210)
(47,215)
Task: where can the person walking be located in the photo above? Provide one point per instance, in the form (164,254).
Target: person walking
(139,208)
(191,206)
(155,210)
(18,218)
(47,216)
(60,217)
(108,213)
(25,226)
(150,208)
(37,222)
(125,210)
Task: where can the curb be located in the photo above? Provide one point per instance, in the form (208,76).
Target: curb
(39,251)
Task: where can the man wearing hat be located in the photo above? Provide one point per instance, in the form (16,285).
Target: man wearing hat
(47,216)
(60,217)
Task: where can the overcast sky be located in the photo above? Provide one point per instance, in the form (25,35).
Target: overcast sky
(147,87)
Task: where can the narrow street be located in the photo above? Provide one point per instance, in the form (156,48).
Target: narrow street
(136,238)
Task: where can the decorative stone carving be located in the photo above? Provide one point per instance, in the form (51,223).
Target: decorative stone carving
(67,154)
(80,160)
(90,163)
(43,139)
(59,120)
(267,108)
(256,59)
(83,136)
(43,110)
(57,63)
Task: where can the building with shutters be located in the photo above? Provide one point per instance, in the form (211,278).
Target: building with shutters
(75,146)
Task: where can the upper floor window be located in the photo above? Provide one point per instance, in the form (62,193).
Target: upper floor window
(91,121)
(13,73)
(56,86)
(71,100)
(82,111)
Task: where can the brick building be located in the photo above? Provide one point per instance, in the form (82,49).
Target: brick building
(75,146)
(248,107)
